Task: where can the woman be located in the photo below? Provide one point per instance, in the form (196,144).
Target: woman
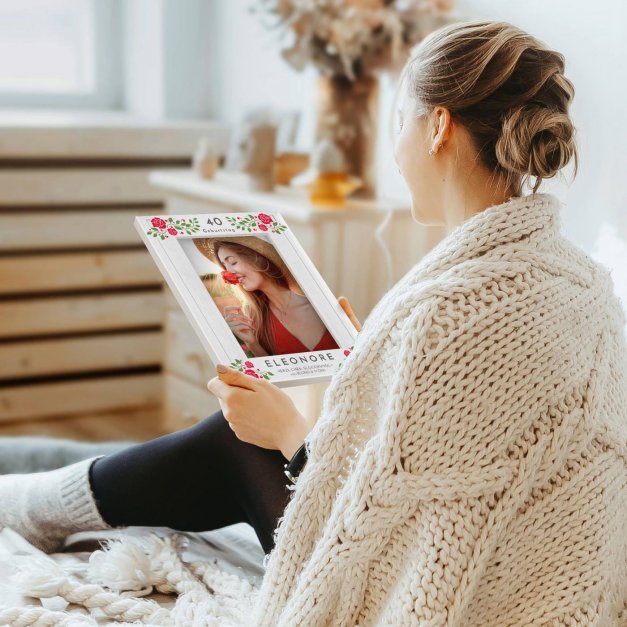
(468,465)
(281,320)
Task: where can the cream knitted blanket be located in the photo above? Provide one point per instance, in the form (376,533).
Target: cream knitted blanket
(469,466)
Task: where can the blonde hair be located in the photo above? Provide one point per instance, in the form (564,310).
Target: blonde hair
(506,88)
(255,304)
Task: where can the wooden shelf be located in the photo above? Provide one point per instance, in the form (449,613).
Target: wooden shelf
(290,202)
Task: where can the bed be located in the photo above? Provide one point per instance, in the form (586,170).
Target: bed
(233,550)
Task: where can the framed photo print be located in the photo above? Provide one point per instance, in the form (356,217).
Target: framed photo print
(251,293)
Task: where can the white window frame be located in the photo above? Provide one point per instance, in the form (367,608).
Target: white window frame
(108,83)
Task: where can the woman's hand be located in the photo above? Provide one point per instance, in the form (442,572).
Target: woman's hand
(349,311)
(241,325)
(259,412)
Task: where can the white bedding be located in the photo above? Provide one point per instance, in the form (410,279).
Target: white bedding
(236,549)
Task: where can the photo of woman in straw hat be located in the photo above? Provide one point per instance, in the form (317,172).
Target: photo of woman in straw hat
(268,312)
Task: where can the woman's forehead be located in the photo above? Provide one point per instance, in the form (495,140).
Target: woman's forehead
(225,250)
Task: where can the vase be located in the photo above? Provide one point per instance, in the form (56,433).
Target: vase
(346,113)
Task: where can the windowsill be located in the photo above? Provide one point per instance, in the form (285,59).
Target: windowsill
(66,133)
(90,118)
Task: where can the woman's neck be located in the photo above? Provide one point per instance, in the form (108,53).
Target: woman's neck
(280,297)
(462,202)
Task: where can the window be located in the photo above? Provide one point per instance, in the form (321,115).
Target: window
(60,53)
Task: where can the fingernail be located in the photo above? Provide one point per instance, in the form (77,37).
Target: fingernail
(221,368)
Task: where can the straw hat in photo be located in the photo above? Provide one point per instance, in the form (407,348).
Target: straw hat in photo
(205,246)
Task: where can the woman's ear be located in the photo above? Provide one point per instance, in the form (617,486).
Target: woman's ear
(442,124)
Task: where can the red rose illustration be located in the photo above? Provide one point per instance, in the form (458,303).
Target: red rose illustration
(229,277)
(251,373)
(172,231)
(264,217)
(347,352)
(249,364)
(263,227)
(158,222)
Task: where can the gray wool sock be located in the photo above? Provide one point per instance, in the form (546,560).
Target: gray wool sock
(46,507)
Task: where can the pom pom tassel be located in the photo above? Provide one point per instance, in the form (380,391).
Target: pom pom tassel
(127,568)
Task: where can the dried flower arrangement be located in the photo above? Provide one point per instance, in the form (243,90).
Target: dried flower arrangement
(352,38)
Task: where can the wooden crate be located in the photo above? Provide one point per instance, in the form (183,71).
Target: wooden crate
(81,301)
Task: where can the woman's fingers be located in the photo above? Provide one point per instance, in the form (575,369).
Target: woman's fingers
(240,318)
(239,325)
(226,391)
(260,412)
(226,385)
(349,312)
(244,333)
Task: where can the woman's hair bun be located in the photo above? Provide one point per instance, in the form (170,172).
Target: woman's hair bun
(507,89)
(536,140)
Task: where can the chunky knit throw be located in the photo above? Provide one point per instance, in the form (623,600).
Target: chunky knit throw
(469,465)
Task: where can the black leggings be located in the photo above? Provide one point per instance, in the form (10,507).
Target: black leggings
(196,479)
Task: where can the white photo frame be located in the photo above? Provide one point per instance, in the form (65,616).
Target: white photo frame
(169,239)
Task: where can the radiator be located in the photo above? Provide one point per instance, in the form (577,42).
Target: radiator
(81,302)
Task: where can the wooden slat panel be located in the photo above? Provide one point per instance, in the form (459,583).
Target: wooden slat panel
(139,424)
(170,300)
(80,313)
(63,399)
(357,271)
(46,133)
(185,355)
(56,272)
(59,186)
(185,403)
(70,229)
(73,355)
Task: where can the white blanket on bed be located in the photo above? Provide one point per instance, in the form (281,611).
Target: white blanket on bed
(234,549)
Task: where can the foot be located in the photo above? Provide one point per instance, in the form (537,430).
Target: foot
(46,507)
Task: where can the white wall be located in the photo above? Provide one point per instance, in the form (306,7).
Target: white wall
(142,22)
(591,36)
(214,58)
(168,57)
(249,71)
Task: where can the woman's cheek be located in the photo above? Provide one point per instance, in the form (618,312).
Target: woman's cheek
(256,277)
(406,153)
(411,167)
(399,146)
